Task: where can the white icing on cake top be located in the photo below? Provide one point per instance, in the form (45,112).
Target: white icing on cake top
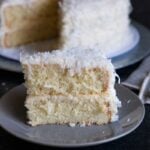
(74,59)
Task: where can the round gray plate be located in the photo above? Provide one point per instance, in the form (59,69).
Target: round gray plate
(13,120)
(121,61)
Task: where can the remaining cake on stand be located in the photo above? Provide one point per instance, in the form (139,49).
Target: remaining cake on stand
(77,23)
(101,23)
(27,21)
(70,87)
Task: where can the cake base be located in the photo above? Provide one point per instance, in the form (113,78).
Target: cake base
(83,110)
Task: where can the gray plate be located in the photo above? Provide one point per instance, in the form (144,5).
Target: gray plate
(121,61)
(13,120)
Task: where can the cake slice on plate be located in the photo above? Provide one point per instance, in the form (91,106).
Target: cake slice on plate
(70,87)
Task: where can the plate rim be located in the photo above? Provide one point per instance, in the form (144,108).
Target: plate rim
(77,145)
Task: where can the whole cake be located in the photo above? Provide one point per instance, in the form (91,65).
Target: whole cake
(101,23)
(70,87)
(25,21)
(77,23)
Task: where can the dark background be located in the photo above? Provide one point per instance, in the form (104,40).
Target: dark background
(141,11)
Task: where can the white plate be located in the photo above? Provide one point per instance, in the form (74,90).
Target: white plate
(127,45)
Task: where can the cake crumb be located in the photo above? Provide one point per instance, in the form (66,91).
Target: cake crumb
(72,124)
(128,120)
(128,101)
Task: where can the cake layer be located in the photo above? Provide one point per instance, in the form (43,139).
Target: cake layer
(16,15)
(89,23)
(54,80)
(34,32)
(27,23)
(70,110)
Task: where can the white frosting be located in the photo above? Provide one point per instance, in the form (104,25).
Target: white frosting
(74,59)
(101,23)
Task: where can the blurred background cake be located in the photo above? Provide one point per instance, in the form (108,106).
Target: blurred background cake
(101,23)
(85,24)
(27,21)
